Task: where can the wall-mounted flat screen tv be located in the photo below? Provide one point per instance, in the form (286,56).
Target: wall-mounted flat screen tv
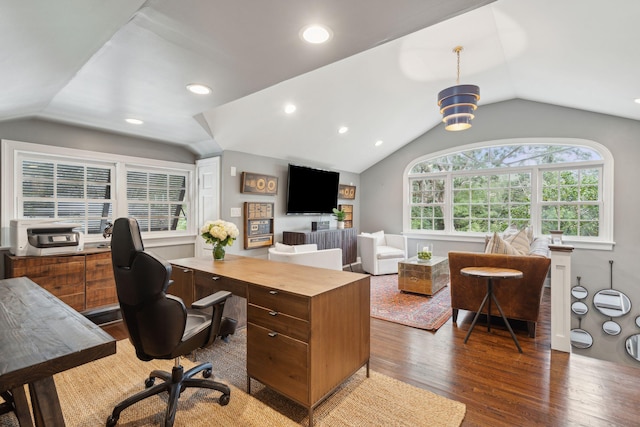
(311,191)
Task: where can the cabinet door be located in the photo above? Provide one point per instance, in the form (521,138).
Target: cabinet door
(101,285)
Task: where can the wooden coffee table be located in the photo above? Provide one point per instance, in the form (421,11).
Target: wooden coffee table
(423,277)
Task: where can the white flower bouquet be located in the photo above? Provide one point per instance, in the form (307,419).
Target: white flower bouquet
(219,232)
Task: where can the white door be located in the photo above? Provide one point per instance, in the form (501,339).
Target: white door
(208,171)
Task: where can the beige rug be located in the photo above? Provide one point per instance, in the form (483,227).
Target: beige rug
(89,393)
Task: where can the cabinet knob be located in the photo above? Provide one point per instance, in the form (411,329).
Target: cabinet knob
(273,334)
(273,292)
(273,313)
(215,278)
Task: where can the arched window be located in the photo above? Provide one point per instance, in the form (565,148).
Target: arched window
(560,184)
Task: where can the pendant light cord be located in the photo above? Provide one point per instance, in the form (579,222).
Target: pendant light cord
(457,50)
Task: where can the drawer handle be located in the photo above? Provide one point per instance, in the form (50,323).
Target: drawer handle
(273,334)
(273,292)
(186,270)
(413,279)
(273,313)
(214,278)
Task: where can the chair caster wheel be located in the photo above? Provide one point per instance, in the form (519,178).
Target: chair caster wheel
(111,421)
(224,400)
(206,373)
(149,382)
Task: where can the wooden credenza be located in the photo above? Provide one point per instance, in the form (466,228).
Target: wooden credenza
(84,280)
(345,239)
(308,329)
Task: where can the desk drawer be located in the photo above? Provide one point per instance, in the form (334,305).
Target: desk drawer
(279,362)
(279,322)
(207,284)
(282,302)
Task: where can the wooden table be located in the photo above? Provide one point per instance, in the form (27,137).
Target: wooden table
(308,328)
(39,337)
(491,273)
(423,277)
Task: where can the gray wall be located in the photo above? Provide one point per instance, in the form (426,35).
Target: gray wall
(233,198)
(382,199)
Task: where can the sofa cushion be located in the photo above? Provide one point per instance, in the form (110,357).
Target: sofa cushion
(281,247)
(299,249)
(379,235)
(388,252)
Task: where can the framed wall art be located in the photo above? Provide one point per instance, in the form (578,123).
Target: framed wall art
(347,192)
(256,183)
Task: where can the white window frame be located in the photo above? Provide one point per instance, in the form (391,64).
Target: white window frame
(603,242)
(11,151)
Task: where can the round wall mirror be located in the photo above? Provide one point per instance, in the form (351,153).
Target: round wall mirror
(579,292)
(638,321)
(612,303)
(611,328)
(579,308)
(633,346)
(581,338)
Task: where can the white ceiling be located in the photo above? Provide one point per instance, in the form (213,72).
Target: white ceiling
(94,63)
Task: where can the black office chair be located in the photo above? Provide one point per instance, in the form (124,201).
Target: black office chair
(159,325)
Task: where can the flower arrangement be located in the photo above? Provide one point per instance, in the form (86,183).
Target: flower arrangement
(219,233)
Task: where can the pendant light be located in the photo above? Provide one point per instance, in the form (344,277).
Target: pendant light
(458,103)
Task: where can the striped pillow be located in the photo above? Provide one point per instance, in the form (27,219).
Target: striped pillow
(497,245)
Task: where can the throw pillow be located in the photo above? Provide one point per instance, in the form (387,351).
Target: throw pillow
(497,245)
(311,247)
(281,247)
(520,242)
(379,235)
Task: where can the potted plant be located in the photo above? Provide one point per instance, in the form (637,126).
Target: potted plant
(340,215)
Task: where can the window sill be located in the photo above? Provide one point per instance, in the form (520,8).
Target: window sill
(150,241)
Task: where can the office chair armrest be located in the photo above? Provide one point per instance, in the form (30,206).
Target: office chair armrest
(211,300)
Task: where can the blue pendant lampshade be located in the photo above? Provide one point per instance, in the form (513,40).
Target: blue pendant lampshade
(458,103)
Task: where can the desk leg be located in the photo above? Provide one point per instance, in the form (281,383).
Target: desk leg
(506,322)
(45,402)
(475,319)
(489,292)
(21,406)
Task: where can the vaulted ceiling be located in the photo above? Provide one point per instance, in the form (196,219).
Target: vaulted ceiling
(94,63)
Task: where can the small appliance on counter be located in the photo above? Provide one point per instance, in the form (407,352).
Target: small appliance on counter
(41,237)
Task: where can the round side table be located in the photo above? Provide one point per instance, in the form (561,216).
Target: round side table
(491,273)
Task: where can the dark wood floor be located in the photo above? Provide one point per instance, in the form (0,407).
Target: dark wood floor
(500,386)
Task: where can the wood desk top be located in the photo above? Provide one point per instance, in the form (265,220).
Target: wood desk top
(41,336)
(294,278)
(492,272)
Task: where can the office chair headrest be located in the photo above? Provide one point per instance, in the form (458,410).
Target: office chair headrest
(125,242)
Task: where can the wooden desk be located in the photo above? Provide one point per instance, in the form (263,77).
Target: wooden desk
(308,329)
(39,337)
(491,273)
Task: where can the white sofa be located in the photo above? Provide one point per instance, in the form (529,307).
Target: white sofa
(307,255)
(380,253)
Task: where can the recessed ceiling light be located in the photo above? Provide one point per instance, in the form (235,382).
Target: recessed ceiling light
(316,34)
(343,129)
(134,121)
(289,108)
(637,100)
(379,142)
(199,89)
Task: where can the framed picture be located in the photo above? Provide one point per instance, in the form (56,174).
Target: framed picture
(259,184)
(347,192)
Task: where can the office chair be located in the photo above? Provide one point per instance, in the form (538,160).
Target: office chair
(159,325)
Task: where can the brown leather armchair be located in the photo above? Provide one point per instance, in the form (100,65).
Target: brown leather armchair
(519,298)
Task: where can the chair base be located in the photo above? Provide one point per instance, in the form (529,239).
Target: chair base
(174,383)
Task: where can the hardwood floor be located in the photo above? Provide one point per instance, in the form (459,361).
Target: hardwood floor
(500,386)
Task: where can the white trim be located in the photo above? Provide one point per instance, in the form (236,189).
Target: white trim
(605,241)
(10,151)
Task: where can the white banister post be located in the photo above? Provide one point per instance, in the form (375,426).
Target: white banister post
(561,297)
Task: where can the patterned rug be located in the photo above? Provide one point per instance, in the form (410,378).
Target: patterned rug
(418,311)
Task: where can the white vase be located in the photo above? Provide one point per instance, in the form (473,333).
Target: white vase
(340,225)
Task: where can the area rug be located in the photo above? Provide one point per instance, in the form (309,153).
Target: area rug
(418,311)
(89,393)
(360,401)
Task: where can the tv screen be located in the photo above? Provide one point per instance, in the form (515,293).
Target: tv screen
(311,191)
